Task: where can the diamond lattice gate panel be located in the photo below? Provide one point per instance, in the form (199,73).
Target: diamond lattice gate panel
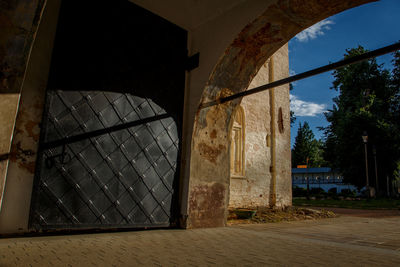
(121,177)
(111,133)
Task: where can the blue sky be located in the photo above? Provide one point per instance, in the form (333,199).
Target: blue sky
(372,25)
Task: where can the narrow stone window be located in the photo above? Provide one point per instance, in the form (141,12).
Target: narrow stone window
(237,144)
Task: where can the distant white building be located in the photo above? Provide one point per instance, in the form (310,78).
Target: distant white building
(324,178)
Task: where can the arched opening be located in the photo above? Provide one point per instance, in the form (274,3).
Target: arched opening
(281,21)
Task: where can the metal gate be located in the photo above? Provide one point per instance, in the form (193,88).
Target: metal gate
(110,139)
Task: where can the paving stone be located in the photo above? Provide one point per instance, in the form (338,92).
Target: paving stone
(344,241)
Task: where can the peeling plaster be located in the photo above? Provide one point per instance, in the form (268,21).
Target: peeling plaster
(210,153)
(24,157)
(207,205)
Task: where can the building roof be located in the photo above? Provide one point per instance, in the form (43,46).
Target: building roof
(311,170)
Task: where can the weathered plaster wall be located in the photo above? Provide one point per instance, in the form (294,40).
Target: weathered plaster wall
(8,111)
(253,190)
(282,136)
(18,21)
(15,211)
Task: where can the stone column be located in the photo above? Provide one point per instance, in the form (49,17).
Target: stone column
(18,20)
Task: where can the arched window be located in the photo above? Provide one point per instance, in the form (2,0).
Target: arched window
(237,144)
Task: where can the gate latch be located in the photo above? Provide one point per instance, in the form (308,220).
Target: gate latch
(63,157)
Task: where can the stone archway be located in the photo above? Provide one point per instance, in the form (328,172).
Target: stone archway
(205,199)
(209,164)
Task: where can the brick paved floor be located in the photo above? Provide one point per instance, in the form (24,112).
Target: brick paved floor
(343,241)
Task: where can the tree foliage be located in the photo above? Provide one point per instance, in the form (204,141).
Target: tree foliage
(396,107)
(368,101)
(306,149)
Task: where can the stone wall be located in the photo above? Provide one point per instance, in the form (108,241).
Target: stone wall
(14,213)
(255,188)
(18,24)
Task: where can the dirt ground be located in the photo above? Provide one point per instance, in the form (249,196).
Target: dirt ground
(367,213)
(266,215)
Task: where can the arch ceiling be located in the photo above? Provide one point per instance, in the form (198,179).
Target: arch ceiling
(189,14)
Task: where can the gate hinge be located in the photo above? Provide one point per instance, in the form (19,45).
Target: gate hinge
(192,62)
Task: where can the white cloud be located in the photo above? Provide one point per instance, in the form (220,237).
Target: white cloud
(292,73)
(304,108)
(315,30)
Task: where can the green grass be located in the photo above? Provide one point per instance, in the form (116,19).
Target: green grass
(383,203)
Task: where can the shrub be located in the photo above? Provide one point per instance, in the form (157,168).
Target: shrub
(317,191)
(348,193)
(332,191)
(299,192)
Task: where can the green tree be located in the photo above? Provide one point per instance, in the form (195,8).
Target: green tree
(395,103)
(396,72)
(366,102)
(395,106)
(306,148)
(319,154)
